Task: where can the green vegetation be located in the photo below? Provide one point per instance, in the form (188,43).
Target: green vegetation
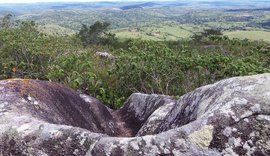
(96,34)
(163,50)
(27,53)
(155,32)
(52,29)
(171,67)
(252,35)
(163,22)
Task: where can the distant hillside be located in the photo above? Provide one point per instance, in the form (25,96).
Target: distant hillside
(70,5)
(86,5)
(53,29)
(257,9)
(138,6)
(220,3)
(266,25)
(158,20)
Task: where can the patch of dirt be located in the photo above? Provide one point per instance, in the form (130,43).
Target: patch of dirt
(123,129)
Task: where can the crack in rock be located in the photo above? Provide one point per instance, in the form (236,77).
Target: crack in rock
(230,117)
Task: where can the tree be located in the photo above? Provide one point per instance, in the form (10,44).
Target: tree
(96,34)
(207,33)
(6,21)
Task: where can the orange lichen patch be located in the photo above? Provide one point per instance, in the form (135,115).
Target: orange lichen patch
(57,104)
(27,87)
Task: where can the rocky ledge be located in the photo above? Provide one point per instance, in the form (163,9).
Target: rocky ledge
(230,117)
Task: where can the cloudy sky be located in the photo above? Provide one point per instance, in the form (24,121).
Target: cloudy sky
(33,1)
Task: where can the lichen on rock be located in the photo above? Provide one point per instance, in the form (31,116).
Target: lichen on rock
(230,117)
(202,137)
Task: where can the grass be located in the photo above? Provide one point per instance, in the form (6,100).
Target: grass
(252,35)
(126,34)
(53,29)
(225,25)
(155,32)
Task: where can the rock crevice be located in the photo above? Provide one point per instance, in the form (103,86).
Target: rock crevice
(230,117)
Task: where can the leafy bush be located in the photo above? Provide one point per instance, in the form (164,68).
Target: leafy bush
(96,34)
(153,67)
(26,53)
(172,68)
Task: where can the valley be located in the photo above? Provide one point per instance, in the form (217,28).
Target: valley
(157,21)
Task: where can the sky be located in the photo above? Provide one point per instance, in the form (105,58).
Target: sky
(33,1)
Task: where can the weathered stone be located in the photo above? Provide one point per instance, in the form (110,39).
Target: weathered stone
(104,55)
(230,117)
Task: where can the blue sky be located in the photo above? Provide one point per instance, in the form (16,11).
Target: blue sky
(33,1)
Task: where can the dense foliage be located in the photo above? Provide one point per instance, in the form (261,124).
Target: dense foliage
(96,34)
(172,68)
(153,67)
(26,53)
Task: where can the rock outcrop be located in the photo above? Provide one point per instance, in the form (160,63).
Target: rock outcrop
(230,117)
(104,55)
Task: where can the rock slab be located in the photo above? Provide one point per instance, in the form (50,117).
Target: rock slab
(230,117)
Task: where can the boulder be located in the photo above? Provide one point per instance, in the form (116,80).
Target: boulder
(230,117)
(104,55)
